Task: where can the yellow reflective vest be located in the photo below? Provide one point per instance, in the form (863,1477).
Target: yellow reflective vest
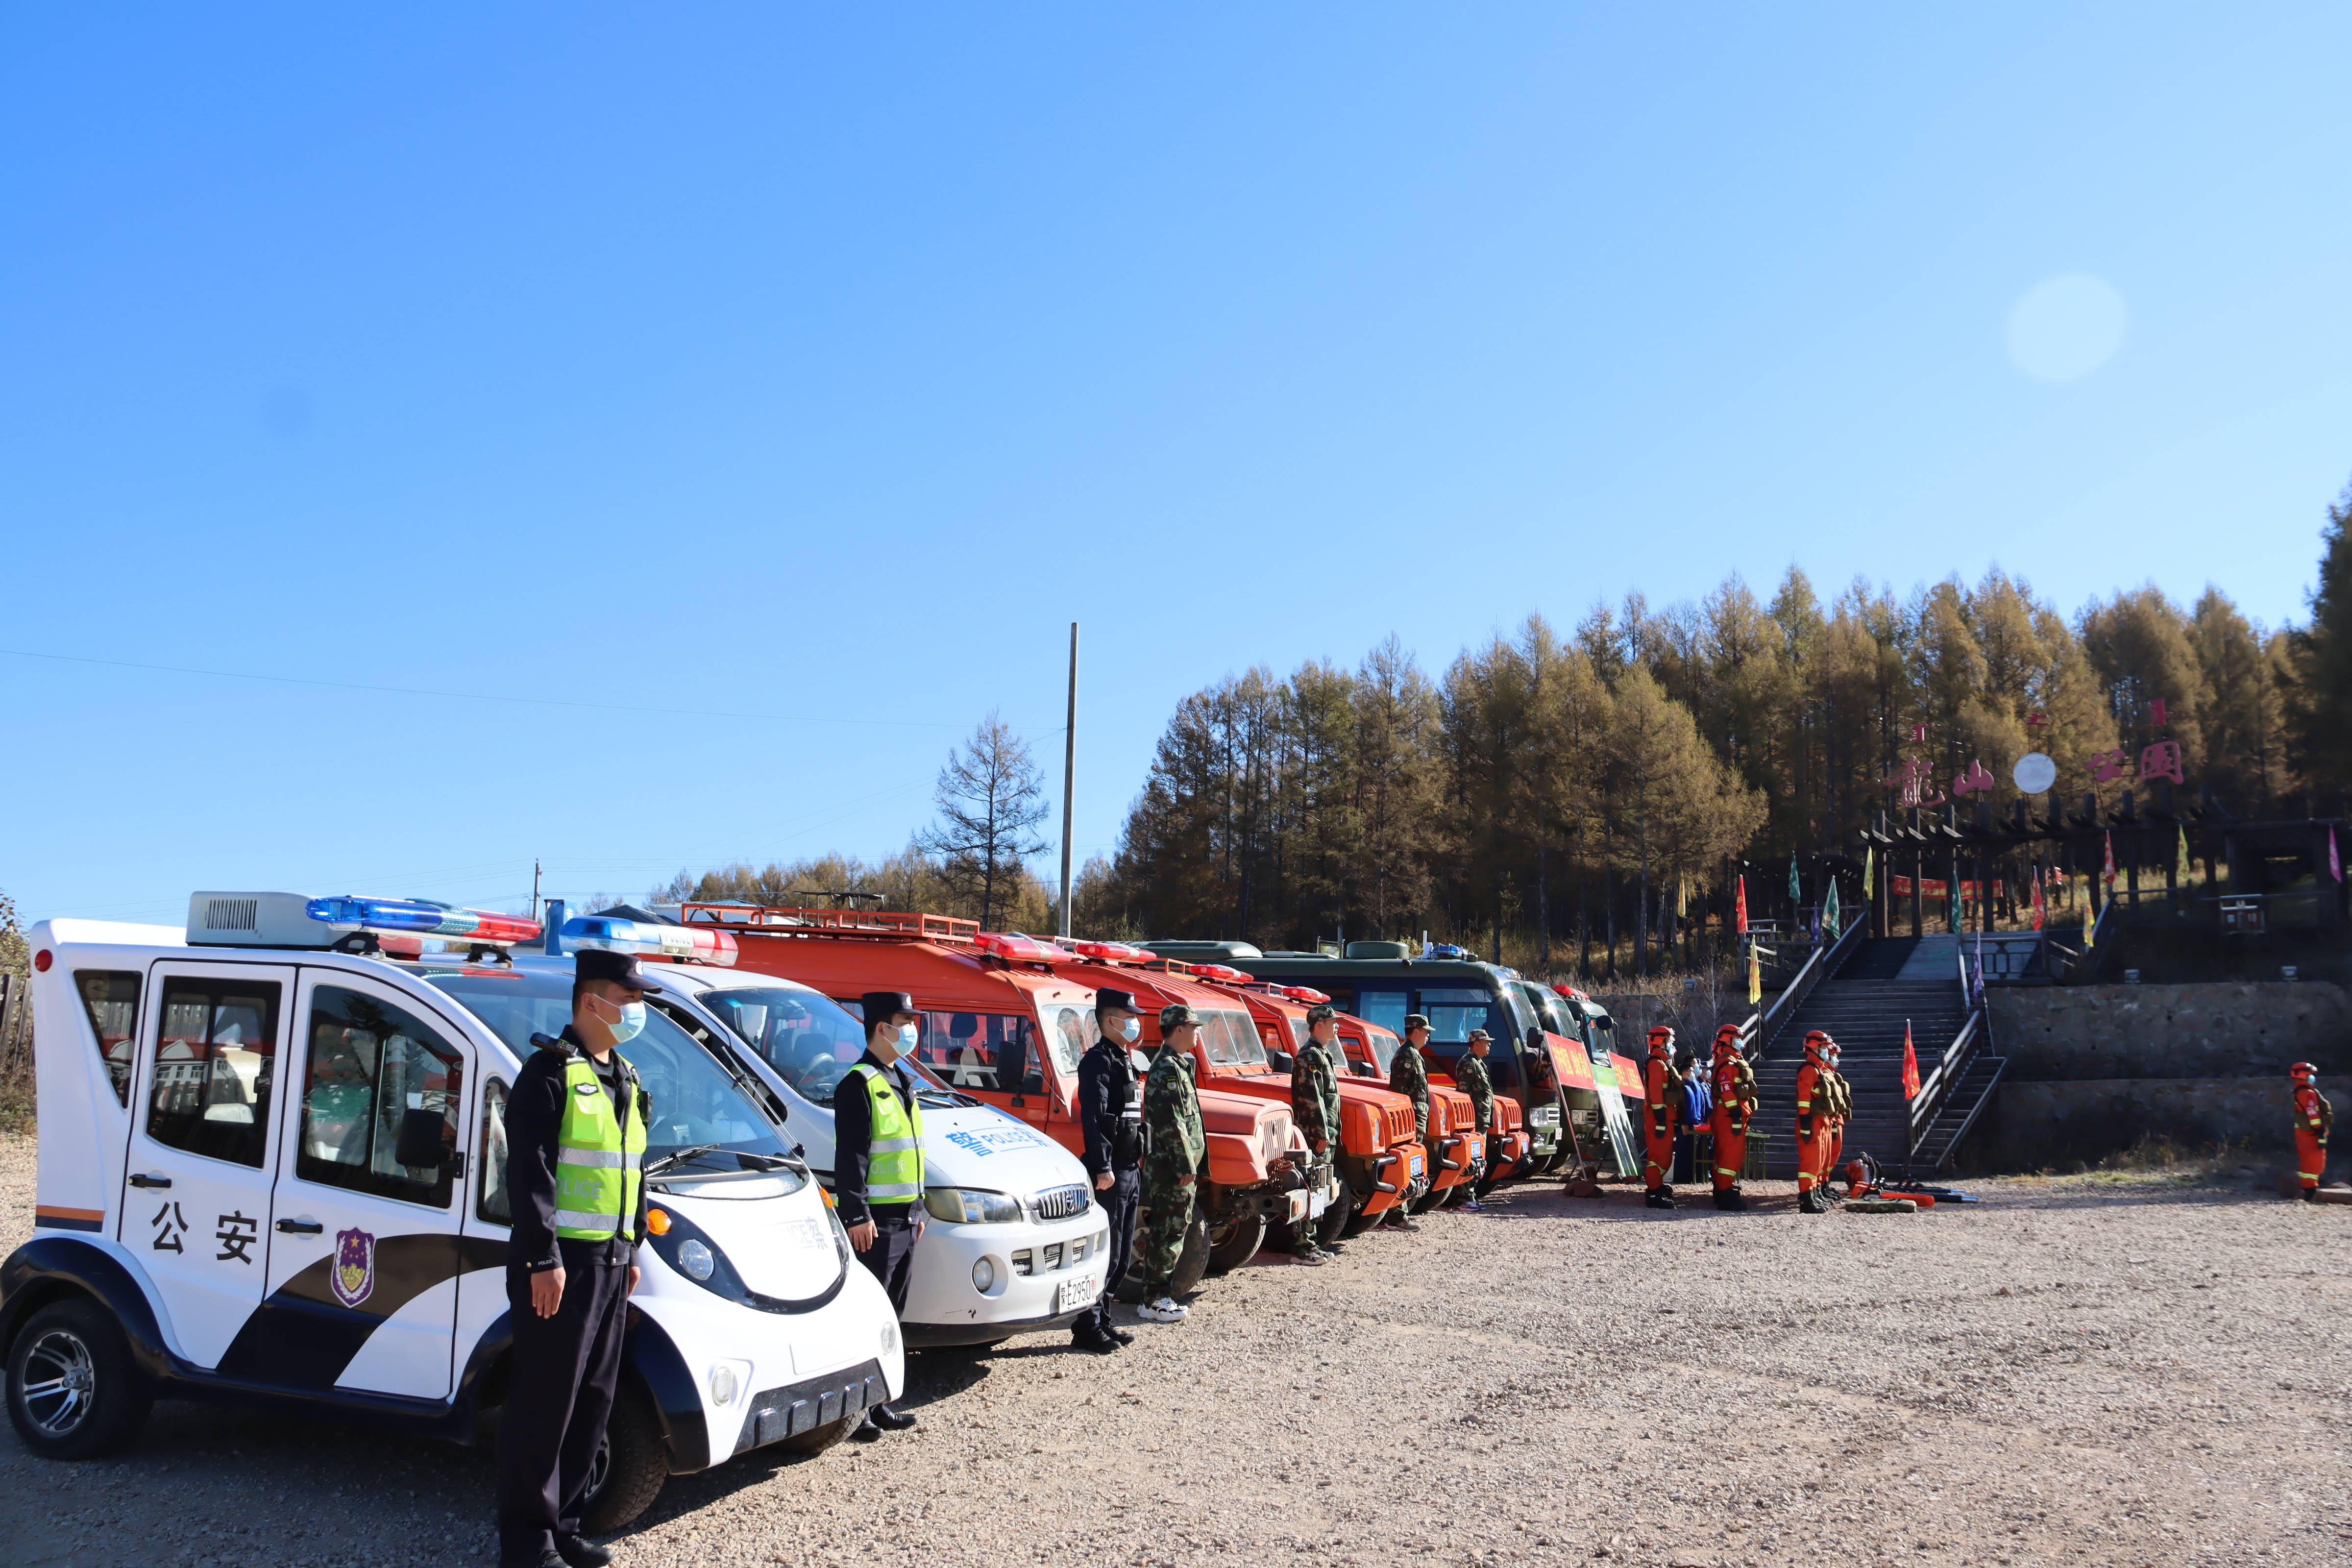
(597,1155)
(894,1171)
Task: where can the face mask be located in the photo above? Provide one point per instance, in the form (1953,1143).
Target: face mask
(1130,1030)
(631,1022)
(899,1043)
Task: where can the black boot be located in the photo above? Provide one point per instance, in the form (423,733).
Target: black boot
(1659,1197)
(1729,1198)
(579,1552)
(1809,1202)
(890,1420)
(1087,1337)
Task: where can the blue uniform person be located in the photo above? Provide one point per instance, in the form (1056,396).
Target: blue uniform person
(1110,1113)
(878,1165)
(575,1123)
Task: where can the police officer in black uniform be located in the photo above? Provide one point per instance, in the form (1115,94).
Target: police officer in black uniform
(884,1233)
(1110,1112)
(568,1297)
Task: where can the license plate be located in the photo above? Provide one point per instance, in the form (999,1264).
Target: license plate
(1317,1203)
(1419,1167)
(1072,1294)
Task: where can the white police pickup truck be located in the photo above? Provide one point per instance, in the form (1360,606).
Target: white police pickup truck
(1013,1241)
(272,1168)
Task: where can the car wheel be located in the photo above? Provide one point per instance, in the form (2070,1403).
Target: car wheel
(817,1439)
(1192,1263)
(1339,1220)
(629,1468)
(74,1391)
(1234,1242)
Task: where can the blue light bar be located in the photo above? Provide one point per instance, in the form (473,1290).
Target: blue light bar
(701,943)
(420,917)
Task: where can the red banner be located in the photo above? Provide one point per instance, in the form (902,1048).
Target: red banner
(1938,888)
(1569,1062)
(1910,1065)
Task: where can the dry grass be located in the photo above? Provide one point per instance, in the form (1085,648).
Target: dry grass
(2157,1162)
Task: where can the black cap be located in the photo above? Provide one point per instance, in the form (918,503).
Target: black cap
(622,968)
(1122,1000)
(878,1006)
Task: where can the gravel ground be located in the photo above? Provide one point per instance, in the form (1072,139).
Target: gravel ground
(2089,1370)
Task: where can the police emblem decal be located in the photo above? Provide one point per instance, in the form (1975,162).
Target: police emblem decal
(353,1274)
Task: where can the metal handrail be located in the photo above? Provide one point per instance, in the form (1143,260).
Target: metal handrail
(1755,1029)
(1927,1102)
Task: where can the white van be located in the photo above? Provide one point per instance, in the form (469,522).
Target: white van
(272,1168)
(1013,1243)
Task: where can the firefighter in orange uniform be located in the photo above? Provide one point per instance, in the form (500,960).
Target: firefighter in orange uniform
(1734,1092)
(1839,1089)
(1812,1123)
(2313,1119)
(1660,1085)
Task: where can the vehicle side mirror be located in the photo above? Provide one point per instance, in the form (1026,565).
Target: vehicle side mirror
(419,1146)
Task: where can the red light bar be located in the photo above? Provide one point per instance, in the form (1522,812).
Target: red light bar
(1021,949)
(1224,971)
(1112,951)
(1306,993)
(1572,993)
(779,920)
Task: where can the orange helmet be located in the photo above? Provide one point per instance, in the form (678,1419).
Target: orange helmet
(2303,1072)
(1818,1044)
(1727,1040)
(1662,1040)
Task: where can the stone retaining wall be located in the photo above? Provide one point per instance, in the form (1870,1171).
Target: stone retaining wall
(2052,1033)
(2094,1070)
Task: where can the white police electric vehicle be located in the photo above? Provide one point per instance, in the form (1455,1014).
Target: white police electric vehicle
(1013,1242)
(272,1167)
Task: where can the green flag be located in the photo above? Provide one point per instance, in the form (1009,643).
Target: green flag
(1830,911)
(1795,888)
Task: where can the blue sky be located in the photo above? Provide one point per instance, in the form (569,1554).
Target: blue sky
(716,416)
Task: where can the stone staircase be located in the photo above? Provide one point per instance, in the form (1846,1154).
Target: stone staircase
(1863,1006)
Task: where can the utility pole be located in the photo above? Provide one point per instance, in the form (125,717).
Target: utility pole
(534,888)
(1069,775)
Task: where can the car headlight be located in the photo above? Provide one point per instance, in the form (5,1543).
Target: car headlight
(695,1260)
(967,1206)
(984,1275)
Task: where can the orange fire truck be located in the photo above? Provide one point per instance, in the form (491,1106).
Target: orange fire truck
(1380,1162)
(1005,1019)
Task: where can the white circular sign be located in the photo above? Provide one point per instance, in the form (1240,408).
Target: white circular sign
(2035,773)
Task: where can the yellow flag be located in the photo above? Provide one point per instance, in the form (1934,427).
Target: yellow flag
(2089,924)
(1867,853)
(1755,976)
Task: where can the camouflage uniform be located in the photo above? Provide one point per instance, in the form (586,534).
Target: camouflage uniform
(1470,1077)
(1175,1146)
(1315,1108)
(1408,1076)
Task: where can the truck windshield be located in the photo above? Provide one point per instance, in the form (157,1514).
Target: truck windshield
(1603,1040)
(1455,1010)
(809,1040)
(1230,1039)
(693,1099)
(1375,1052)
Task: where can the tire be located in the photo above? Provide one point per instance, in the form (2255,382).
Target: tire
(1340,1219)
(629,1470)
(1191,1264)
(1234,1242)
(74,1391)
(817,1439)
(1451,1196)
